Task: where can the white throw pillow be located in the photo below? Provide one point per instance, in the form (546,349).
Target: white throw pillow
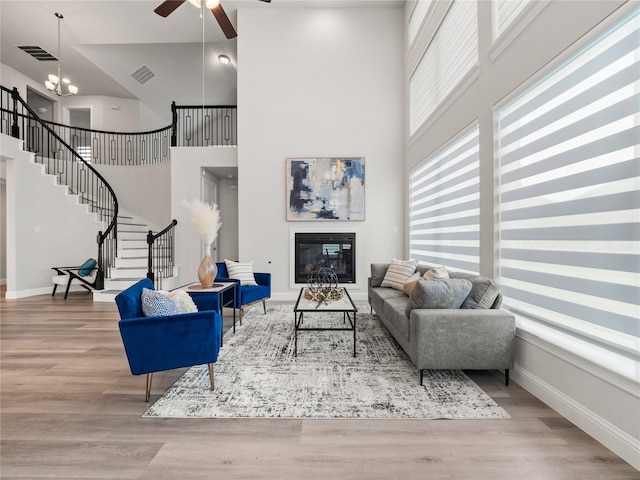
(242,271)
(441,272)
(398,273)
(182,300)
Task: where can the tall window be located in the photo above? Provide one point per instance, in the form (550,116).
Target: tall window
(569,160)
(505,13)
(444,206)
(452,53)
(420,10)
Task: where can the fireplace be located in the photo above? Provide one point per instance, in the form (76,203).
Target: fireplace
(333,250)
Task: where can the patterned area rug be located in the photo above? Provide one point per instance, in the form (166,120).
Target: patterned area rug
(257,375)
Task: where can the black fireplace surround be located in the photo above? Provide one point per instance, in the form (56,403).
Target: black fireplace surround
(333,250)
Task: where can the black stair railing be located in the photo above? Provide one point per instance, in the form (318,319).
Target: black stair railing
(204,126)
(161,254)
(72,170)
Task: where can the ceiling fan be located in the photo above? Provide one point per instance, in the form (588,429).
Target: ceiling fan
(168,6)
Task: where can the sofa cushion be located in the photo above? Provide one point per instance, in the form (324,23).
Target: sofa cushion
(393,311)
(411,282)
(182,300)
(156,304)
(484,291)
(378,271)
(398,273)
(445,293)
(242,271)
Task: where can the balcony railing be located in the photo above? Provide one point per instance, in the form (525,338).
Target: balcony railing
(204,126)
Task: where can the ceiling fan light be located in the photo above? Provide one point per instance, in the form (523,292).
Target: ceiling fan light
(66,81)
(53,78)
(73,89)
(50,86)
(212,4)
(195,3)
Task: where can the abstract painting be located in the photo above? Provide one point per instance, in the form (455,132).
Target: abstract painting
(325,188)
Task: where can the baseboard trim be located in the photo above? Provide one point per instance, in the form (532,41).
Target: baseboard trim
(618,441)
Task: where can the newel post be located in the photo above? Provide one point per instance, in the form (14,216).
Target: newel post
(15,128)
(174,124)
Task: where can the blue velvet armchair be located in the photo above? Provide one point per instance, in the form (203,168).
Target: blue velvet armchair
(247,295)
(155,344)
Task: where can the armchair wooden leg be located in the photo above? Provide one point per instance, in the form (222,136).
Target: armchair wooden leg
(264,306)
(66,292)
(55,286)
(211,375)
(149,379)
(241,311)
(506,376)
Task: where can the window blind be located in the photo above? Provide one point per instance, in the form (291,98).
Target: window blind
(444,206)
(452,53)
(505,12)
(420,10)
(569,172)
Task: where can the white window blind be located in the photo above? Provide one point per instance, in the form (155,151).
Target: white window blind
(505,12)
(569,159)
(452,53)
(444,206)
(420,10)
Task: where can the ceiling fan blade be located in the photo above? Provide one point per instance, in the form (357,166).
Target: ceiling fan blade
(223,20)
(167,7)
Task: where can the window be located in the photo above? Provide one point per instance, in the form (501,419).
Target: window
(452,53)
(444,206)
(569,171)
(505,13)
(420,10)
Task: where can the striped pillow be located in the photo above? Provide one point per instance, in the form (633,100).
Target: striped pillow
(242,271)
(398,273)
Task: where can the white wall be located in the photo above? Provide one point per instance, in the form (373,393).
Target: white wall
(39,236)
(593,397)
(319,83)
(143,190)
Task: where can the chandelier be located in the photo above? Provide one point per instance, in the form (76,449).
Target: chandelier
(54,82)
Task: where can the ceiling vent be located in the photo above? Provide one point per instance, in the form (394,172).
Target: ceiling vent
(38,53)
(143,74)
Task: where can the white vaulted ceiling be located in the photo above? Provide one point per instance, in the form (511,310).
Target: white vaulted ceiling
(105,41)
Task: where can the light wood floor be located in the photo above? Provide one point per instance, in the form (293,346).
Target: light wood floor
(71,409)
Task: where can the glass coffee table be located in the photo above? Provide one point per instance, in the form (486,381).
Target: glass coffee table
(344,305)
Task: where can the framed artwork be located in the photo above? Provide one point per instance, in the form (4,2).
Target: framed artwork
(325,188)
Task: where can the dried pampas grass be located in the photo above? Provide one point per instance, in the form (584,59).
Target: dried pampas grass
(206,219)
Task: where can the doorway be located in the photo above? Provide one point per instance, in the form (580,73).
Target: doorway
(209,195)
(80,136)
(40,104)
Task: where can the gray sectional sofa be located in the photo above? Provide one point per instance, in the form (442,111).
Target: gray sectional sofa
(476,336)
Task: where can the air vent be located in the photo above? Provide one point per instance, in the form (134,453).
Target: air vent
(143,74)
(38,53)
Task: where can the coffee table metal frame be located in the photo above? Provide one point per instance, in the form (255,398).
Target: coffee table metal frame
(345,306)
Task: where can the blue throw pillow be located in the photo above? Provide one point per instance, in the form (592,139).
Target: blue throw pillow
(87,267)
(155,304)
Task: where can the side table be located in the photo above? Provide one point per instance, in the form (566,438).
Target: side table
(212,298)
